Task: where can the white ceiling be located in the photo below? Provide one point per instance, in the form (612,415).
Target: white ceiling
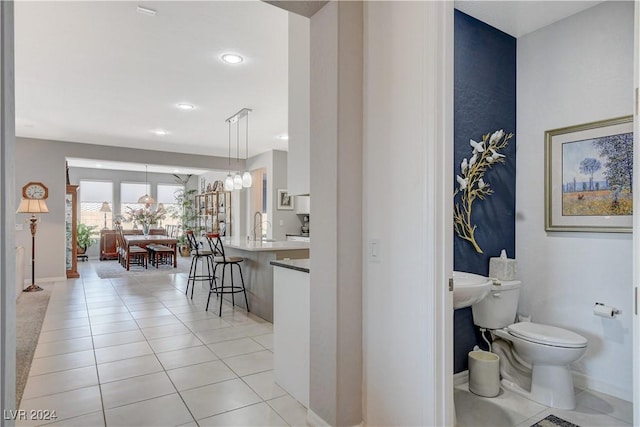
(101,73)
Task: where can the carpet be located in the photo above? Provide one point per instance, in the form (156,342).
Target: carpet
(553,421)
(30,310)
(113,269)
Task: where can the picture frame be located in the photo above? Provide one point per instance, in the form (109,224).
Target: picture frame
(588,177)
(285,200)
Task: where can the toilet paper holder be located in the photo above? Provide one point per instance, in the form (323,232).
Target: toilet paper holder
(603,310)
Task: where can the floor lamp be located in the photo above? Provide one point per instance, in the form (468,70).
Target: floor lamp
(33,206)
(105,208)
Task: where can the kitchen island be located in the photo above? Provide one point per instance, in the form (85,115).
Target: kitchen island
(258,273)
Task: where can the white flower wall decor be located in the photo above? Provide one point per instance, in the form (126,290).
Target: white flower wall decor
(471,184)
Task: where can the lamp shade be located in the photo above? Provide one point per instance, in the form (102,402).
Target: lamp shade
(147,200)
(32,206)
(237,181)
(105,207)
(247,181)
(228,183)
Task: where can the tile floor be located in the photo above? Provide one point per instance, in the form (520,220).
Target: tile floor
(136,351)
(512,410)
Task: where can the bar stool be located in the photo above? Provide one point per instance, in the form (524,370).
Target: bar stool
(202,255)
(219,258)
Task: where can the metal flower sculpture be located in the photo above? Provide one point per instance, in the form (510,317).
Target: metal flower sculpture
(471,183)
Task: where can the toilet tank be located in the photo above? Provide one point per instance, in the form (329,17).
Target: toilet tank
(498,309)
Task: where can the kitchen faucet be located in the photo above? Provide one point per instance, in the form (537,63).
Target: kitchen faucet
(257,223)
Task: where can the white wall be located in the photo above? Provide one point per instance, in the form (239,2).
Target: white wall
(575,71)
(408,134)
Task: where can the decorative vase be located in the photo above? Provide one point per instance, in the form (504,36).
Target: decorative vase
(145,229)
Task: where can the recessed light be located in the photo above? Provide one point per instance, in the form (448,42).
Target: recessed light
(232,58)
(284,137)
(146,11)
(184,106)
(98,165)
(160,132)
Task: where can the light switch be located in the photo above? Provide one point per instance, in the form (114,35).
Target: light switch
(19,227)
(374,250)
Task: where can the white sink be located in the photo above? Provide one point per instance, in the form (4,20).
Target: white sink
(469,288)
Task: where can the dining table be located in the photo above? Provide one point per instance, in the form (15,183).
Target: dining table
(142,241)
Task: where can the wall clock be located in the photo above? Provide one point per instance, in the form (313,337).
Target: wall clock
(35,190)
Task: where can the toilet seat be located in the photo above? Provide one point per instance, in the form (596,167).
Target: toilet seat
(547,335)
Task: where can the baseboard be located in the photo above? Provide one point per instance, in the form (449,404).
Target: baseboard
(39,280)
(314,420)
(585,382)
(461,378)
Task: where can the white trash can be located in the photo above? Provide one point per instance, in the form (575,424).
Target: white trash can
(484,373)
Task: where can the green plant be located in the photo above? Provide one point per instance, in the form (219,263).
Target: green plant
(86,236)
(186,209)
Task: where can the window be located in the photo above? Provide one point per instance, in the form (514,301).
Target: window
(92,195)
(130,192)
(167,196)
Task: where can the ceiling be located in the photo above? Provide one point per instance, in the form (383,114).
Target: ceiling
(102,73)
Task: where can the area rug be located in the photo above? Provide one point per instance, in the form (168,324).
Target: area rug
(30,310)
(113,269)
(553,421)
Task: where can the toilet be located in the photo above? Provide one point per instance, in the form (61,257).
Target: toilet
(544,351)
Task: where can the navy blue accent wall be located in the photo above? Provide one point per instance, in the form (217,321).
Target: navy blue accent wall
(484,101)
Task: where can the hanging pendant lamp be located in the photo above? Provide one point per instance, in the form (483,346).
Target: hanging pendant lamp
(237,179)
(146,199)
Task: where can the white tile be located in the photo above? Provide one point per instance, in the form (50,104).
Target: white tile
(145,306)
(64,334)
(65,315)
(237,347)
(291,410)
(157,321)
(62,362)
(254,329)
(91,420)
(264,384)
(207,324)
(161,411)
(58,382)
(265,340)
(165,331)
(110,328)
(218,335)
(217,398)
(101,311)
(609,405)
(67,405)
(61,347)
(251,363)
(185,357)
(124,351)
(110,318)
(199,375)
(156,312)
(193,316)
(65,324)
(174,343)
(136,389)
(127,368)
(118,338)
(473,410)
(259,414)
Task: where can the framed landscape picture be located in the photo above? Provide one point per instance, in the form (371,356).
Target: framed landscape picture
(588,177)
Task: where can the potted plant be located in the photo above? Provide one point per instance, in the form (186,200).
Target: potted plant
(86,237)
(185,213)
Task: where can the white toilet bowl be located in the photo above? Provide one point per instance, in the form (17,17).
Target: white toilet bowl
(549,350)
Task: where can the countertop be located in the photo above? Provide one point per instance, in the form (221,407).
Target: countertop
(260,246)
(293,264)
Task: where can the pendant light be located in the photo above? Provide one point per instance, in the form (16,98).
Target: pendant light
(246,176)
(228,182)
(146,199)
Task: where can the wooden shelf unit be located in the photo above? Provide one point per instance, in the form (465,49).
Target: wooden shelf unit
(71,229)
(213,212)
